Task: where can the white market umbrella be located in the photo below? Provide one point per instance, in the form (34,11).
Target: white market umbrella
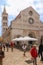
(26,38)
(15,39)
(18,39)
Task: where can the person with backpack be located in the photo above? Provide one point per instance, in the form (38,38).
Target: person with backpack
(34,54)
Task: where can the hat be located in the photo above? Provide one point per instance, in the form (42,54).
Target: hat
(34,45)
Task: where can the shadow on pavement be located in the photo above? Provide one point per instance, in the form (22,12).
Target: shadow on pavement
(28,61)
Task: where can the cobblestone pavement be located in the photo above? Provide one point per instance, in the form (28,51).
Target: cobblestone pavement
(16,58)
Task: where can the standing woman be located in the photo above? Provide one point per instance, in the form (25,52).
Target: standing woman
(24,49)
(12,45)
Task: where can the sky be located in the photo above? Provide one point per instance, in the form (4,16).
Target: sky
(13,8)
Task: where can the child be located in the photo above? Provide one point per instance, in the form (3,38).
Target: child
(34,54)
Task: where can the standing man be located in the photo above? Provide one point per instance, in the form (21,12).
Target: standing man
(4,47)
(34,54)
(40,51)
(7,46)
(1,55)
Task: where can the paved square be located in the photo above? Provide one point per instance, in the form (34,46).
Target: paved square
(16,58)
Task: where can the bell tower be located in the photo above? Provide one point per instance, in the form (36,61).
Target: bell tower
(4,20)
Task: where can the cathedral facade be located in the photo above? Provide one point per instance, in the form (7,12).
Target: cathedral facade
(27,23)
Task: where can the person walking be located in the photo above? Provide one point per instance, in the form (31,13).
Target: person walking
(12,46)
(40,51)
(4,47)
(34,54)
(24,49)
(1,55)
(7,46)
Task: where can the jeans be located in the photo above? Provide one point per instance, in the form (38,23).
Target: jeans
(35,61)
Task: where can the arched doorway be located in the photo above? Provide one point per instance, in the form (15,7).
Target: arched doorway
(18,42)
(33,36)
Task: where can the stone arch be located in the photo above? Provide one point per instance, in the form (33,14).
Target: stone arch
(31,34)
(18,42)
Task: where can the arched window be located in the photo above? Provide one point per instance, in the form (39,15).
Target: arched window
(4,18)
(31,35)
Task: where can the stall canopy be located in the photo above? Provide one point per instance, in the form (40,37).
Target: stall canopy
(26,38)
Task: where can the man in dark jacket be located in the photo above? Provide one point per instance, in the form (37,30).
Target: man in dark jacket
(7,46)
(40,51)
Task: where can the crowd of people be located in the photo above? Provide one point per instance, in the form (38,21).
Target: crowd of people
(7,45)
(33,51)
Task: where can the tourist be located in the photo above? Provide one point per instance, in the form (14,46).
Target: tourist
(7,46)
(12,45)
(34,54)
(4,47)
(24,49)
(1,55)
(40,51)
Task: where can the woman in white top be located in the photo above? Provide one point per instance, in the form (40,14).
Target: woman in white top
(24,48)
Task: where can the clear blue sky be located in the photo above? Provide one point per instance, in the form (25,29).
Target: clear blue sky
(13,7)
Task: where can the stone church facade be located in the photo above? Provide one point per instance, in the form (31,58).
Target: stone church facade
(27,23)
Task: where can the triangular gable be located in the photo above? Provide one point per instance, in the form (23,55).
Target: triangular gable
(31,8)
